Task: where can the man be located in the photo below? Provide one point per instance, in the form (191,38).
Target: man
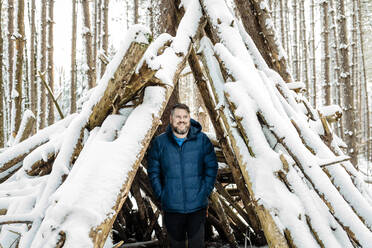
(182,168)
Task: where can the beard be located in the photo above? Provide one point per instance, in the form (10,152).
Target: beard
(181,131)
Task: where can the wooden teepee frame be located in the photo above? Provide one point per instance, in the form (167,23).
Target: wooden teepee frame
(39,173)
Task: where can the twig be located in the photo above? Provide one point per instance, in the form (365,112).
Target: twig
(51,94)
(337,160)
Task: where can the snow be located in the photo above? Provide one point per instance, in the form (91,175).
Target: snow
(283,129)
(80,205)
(31,143)
(111,151)
(296,85)
(26,116)
(67,205)
(62,162)
(152,52)
(252,92)
(330,110)
(174,54)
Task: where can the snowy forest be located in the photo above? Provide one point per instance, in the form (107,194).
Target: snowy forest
(282,88)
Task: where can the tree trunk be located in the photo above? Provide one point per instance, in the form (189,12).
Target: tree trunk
(335,62)
(282,32)
(20,42)
(312,54)
(135,11)
(255,19)
(87,34)
(325,53)
(95,37)
(10,54)
(348,89)
(50,62)
(43,62)
(151,14)
(73,60)
(105,33)
(361,38)
(304,55)
(99,25)
(168,24)
(34,98)
(1,82)
(295,69)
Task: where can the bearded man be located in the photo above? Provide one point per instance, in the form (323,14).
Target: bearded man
(182,167)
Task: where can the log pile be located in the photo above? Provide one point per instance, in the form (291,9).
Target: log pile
(283,179)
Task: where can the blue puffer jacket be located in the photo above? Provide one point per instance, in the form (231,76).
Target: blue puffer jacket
(182,177)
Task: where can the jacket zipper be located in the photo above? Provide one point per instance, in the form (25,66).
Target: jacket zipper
(182,177)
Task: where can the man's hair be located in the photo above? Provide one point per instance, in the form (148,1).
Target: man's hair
(180,106)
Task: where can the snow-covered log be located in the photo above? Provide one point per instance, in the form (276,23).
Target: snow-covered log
(280,126)
(229,34)
(332,112)
(133,141)
(136,38)
(25,129)
(256,18)
(215,106)
(15,154)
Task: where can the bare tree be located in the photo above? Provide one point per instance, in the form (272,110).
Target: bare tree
(95,32)
(50,62)
(312,52)
(286,31)
(105,33)
(1,81)
(33,60)
(296,68)
(348,90)
(354,72)
(303,39)
(73,60)
(151,14)
(20,42)
(87,33)
(135,12)
(335,63)
(10,52)
(325,53)
(364,78)
(43,62)
(282,32)
(99,25)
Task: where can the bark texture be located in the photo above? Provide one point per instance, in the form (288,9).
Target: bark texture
(50,62)
(20,43)
(345,80)
(87,34)
(43,62)
(73,60)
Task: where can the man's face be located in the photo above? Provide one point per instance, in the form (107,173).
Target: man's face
(180,121)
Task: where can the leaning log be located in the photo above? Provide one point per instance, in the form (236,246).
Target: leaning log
(258,23)
(149,112)
(217,207)
(270,230)
(18,152)
(72,146)
(213,101)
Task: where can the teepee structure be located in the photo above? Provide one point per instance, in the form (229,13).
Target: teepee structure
(293,186)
